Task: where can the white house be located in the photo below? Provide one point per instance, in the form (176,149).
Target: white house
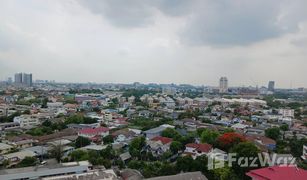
(196,150)
(5,148)
(286,112)
(27,120)
(90,132)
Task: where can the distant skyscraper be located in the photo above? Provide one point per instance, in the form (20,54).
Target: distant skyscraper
(9,80)
(18,78)
(23,79)
(271,86)
(27,79)
(223,85)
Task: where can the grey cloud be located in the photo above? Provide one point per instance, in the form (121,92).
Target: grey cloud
(133,13)
(174,7)
(210,22)
(239,22)
(136,13)
(302,42)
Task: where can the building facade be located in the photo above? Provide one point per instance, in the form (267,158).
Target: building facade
(223,88)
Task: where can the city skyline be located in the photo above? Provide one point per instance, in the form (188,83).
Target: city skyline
(220,83)
(187,42)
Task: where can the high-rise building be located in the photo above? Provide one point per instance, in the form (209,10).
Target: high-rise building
(9,80)
(27,79)
(23,79)
(18,78)
(223,85)
(271,86)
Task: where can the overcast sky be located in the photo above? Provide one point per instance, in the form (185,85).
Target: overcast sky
(163,41)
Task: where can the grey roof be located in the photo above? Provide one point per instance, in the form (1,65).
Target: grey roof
(184,176)
(78,126)
(5,146)
(125,156)
(44,172)
(155,130)
(39,150)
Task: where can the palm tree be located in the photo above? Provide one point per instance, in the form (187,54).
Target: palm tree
(57,152)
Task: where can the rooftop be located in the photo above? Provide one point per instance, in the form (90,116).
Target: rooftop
(164,140)
(94,131)
(278,173)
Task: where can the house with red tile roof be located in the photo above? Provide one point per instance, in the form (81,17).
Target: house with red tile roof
(278,173)
(196,150)
(164,140)
(92,132)
(158,145)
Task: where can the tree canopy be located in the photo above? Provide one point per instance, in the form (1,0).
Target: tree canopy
(273,133)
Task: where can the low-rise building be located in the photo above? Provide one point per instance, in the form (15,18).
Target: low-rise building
(151,133)
(17,157)
(158,145)
(196,150)
(53,172)
(27,120)
(278,173)
(92,132)
(5,148)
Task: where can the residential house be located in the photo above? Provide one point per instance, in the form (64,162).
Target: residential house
(9,126)
(38,150)
(239,127)
(5,148)
(26,121)
(123,135)
(182,176)
(16,157)
(151,133)
(304,156)
(125,156)
(92,132)
(218,154)
(158,145)
(278,173)
(264,143)
(25,143)
(196,150)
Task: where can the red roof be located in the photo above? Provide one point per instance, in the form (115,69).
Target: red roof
(164,140)
(192,145)
(94,131)
(200,147)
(278,173)
(121,119)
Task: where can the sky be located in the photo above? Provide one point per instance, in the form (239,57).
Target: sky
(156,41)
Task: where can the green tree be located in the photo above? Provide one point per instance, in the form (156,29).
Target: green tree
(296,146)
(108,139)
(167,169)
(184,164)
(28,161)
(225,173)
(176,146)
(209,136)
(200,164)
(246,150)
(284,127)
(136,145)
(47,123)
(82,141)
(79,155)
(171,133)
(27,111)
(273,133)
(57,152)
